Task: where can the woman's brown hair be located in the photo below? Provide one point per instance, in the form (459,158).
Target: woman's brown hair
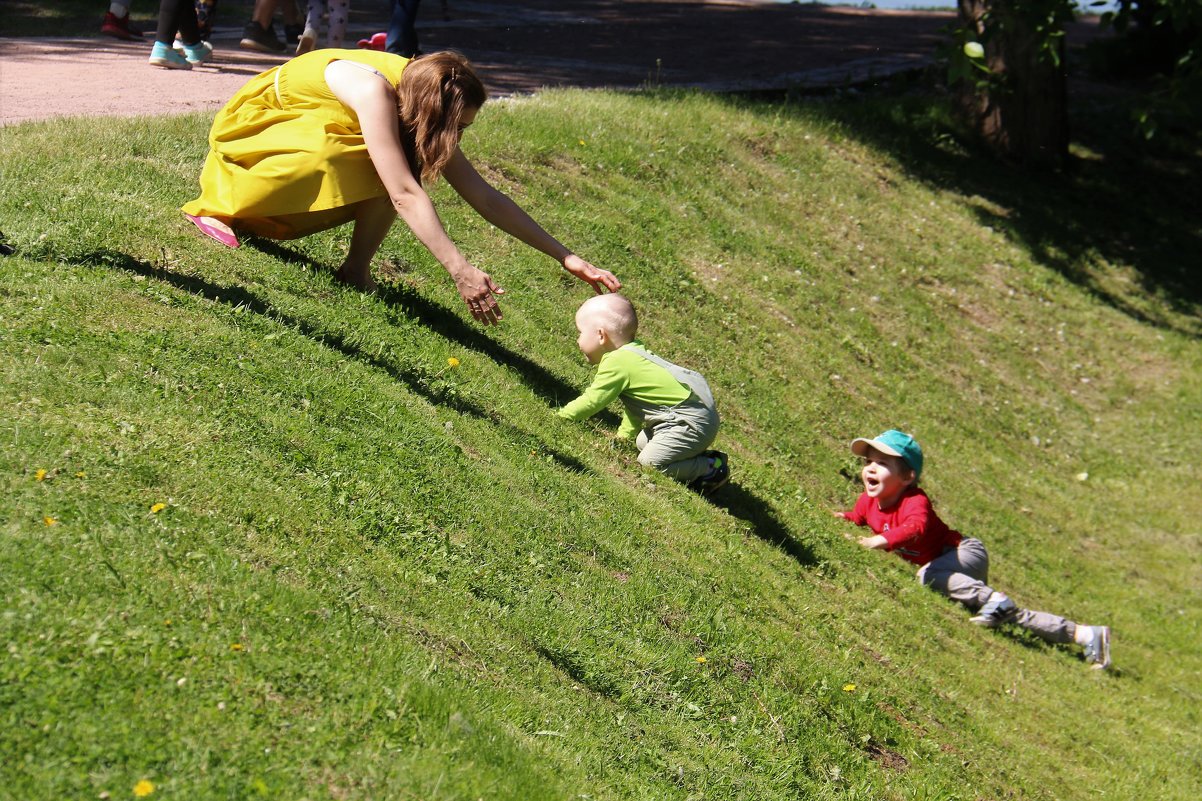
(432,95)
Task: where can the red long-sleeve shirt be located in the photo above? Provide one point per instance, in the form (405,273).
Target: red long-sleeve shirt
(910,526)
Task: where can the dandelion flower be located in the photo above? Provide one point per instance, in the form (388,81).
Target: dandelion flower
(81,474)
(452,362)
(143,788)
(701,660)
(50,521)
(158,507)
(582,141)
(237,646)
(40,475)
(974,50)
(849,688)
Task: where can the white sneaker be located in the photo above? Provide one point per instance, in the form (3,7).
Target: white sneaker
(1097,649)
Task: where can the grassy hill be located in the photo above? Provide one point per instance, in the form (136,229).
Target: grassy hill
(261,539)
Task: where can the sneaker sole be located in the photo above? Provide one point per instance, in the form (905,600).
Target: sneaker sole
(251,44)
(167,63)
(125,36)
(993,623)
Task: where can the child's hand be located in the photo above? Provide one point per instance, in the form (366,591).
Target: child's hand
(876,541)
(841,515)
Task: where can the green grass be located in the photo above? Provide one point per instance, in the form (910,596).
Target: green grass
(377,576)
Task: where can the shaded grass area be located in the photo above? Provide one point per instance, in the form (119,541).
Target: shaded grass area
(378,575)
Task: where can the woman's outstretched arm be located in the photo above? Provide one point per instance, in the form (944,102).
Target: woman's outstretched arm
(500,210)
(374,102)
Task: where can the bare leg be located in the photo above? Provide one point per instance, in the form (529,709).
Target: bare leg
(373,218)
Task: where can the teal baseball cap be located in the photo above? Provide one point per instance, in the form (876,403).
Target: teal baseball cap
(894,443)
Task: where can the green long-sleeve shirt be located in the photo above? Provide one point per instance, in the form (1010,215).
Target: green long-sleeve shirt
(640,384)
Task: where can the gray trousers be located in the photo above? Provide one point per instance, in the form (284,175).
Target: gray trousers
(961,574)
(674,442)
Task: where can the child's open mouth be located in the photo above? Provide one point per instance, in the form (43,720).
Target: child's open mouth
(871,483)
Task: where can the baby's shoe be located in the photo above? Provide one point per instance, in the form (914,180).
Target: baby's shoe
(997,610)
(163,55)
(717,476)
(1097,647)
(376,42)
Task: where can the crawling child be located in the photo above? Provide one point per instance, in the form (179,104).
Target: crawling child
(671,408)
(902,520)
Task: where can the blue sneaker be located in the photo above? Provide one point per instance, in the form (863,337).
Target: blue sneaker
(198,53)
(1097,650)
(162,55)
(997,610)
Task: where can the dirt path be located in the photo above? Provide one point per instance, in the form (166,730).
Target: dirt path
(519,46)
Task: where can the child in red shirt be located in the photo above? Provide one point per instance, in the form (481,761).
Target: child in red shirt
(902,519)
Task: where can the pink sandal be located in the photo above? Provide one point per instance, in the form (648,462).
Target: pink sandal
(227,239)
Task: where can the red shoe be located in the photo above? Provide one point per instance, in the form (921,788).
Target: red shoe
(376,42)
(229,240)
(119,27)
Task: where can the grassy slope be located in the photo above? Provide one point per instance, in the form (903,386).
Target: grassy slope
(380,576)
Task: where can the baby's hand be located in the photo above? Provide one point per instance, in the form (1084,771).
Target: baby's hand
(841,515)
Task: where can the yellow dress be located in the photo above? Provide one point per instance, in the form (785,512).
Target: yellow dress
(286,157)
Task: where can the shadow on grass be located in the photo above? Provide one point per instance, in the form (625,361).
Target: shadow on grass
(446,323)
(747,506)
(1118,202)
(418,381)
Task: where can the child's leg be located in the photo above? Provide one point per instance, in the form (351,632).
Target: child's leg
(675,449)
(960,574)
(1047,626)
(340,12)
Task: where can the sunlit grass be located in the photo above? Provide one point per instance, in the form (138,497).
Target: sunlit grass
(267,536)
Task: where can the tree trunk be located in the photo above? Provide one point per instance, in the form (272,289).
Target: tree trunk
(1024,115)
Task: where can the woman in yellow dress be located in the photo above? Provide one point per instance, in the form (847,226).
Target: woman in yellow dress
(336,136)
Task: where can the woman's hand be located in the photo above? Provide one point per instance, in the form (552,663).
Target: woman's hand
(591,275)
(478,291)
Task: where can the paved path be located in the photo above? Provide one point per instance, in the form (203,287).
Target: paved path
(519,46)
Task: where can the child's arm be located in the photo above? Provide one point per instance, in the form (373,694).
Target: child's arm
(858,515)
(606,387)
(875,541)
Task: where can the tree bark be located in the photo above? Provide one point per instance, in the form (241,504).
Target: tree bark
(1023,116)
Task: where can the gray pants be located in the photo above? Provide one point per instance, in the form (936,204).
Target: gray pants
(961,574)
(674,442)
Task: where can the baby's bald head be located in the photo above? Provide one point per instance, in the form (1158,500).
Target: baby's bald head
(613,313)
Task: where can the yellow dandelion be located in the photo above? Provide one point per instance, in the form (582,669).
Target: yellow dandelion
(40,475)
(158,507)
(50,521)
(849,688)
(701,660)
(143,788)
(81,474)
(237,646)
(582,141)
(453,362)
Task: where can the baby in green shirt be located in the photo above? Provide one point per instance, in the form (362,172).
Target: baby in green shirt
(671,408)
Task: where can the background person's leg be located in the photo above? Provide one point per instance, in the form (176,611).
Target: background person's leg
(402,28)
